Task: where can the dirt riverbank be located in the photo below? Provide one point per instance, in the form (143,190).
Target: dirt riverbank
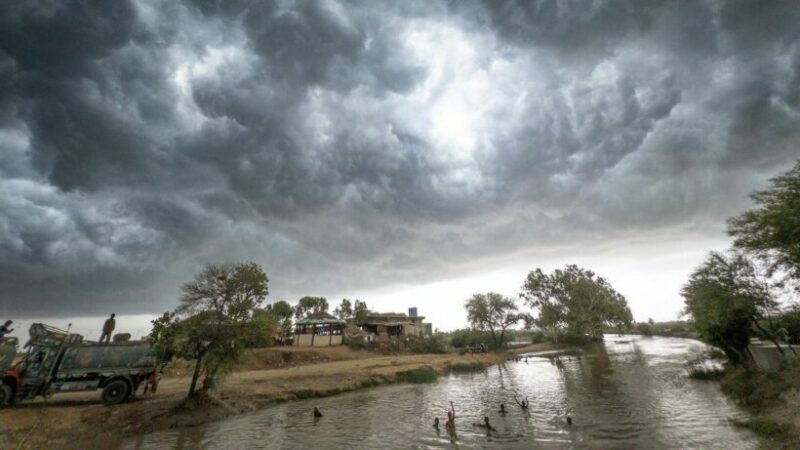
(271,375)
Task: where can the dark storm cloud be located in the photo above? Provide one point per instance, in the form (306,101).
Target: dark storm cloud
(141,140)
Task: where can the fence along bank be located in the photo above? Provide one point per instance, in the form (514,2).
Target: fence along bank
(59,361)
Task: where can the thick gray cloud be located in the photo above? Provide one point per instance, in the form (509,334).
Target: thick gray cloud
(351,145)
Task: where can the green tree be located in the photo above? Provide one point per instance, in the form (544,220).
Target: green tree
(308,305)
(492,312)
(345,310)
(575,300)
(771,232)
(283,313)
(725,296)
(216,319)
(645,328)
(266,323)
(360,311)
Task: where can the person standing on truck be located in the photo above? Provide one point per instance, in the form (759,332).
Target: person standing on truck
(108,328)
(6,328)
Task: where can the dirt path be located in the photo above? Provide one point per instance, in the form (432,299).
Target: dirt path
(78,420)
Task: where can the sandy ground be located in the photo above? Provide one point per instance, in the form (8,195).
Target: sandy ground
(78,420)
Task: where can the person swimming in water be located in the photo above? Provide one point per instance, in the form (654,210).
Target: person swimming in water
(436,423)
(450,425)
(522,404)
(485,424)
(569,420)
(317,414)
(502,409)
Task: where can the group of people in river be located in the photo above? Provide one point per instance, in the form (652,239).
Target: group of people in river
(450,425)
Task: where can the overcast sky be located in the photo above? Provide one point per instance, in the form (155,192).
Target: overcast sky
(406,153)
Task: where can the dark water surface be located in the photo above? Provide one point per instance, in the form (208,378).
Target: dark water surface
(630,392)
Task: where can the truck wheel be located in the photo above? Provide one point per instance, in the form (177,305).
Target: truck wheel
(6,395)
(115,392)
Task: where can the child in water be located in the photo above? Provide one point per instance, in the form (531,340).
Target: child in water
(485,424)
(450,425)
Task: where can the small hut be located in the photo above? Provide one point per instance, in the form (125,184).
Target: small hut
(318,329)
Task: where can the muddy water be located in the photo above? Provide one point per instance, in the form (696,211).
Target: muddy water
(627,393)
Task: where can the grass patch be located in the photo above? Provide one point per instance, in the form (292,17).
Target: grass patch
(765,427)
(424,374)
(466,367)
(304,394)
(370,382)
(333,391)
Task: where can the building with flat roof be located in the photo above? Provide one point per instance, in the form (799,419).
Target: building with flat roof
(388,325)
(318,329)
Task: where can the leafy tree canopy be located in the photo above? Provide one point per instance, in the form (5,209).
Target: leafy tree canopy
(280,309)
(492,312)
(724,296)
(283,312)
(345,309)
(771,232)
(360,311)
(216,319)
(575,299)
(308,305)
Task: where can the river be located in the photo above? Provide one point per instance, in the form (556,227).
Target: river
(630,392)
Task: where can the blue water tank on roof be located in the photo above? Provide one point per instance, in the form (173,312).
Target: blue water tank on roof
(412,312)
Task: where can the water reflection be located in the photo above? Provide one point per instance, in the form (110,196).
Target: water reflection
(626,393)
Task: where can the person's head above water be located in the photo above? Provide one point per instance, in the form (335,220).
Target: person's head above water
(569,420)
(112,315)
(486,420)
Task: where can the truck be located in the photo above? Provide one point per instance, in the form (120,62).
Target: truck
(59,361)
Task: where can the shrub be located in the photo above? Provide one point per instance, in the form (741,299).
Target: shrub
(433,344)
(790,321)
(537,337)
(424,374)
(740,386)
(754,388)
(701,373)
(355,343)
(765,427)
(470,338)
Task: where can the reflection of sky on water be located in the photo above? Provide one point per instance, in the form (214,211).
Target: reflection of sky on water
(628,393)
